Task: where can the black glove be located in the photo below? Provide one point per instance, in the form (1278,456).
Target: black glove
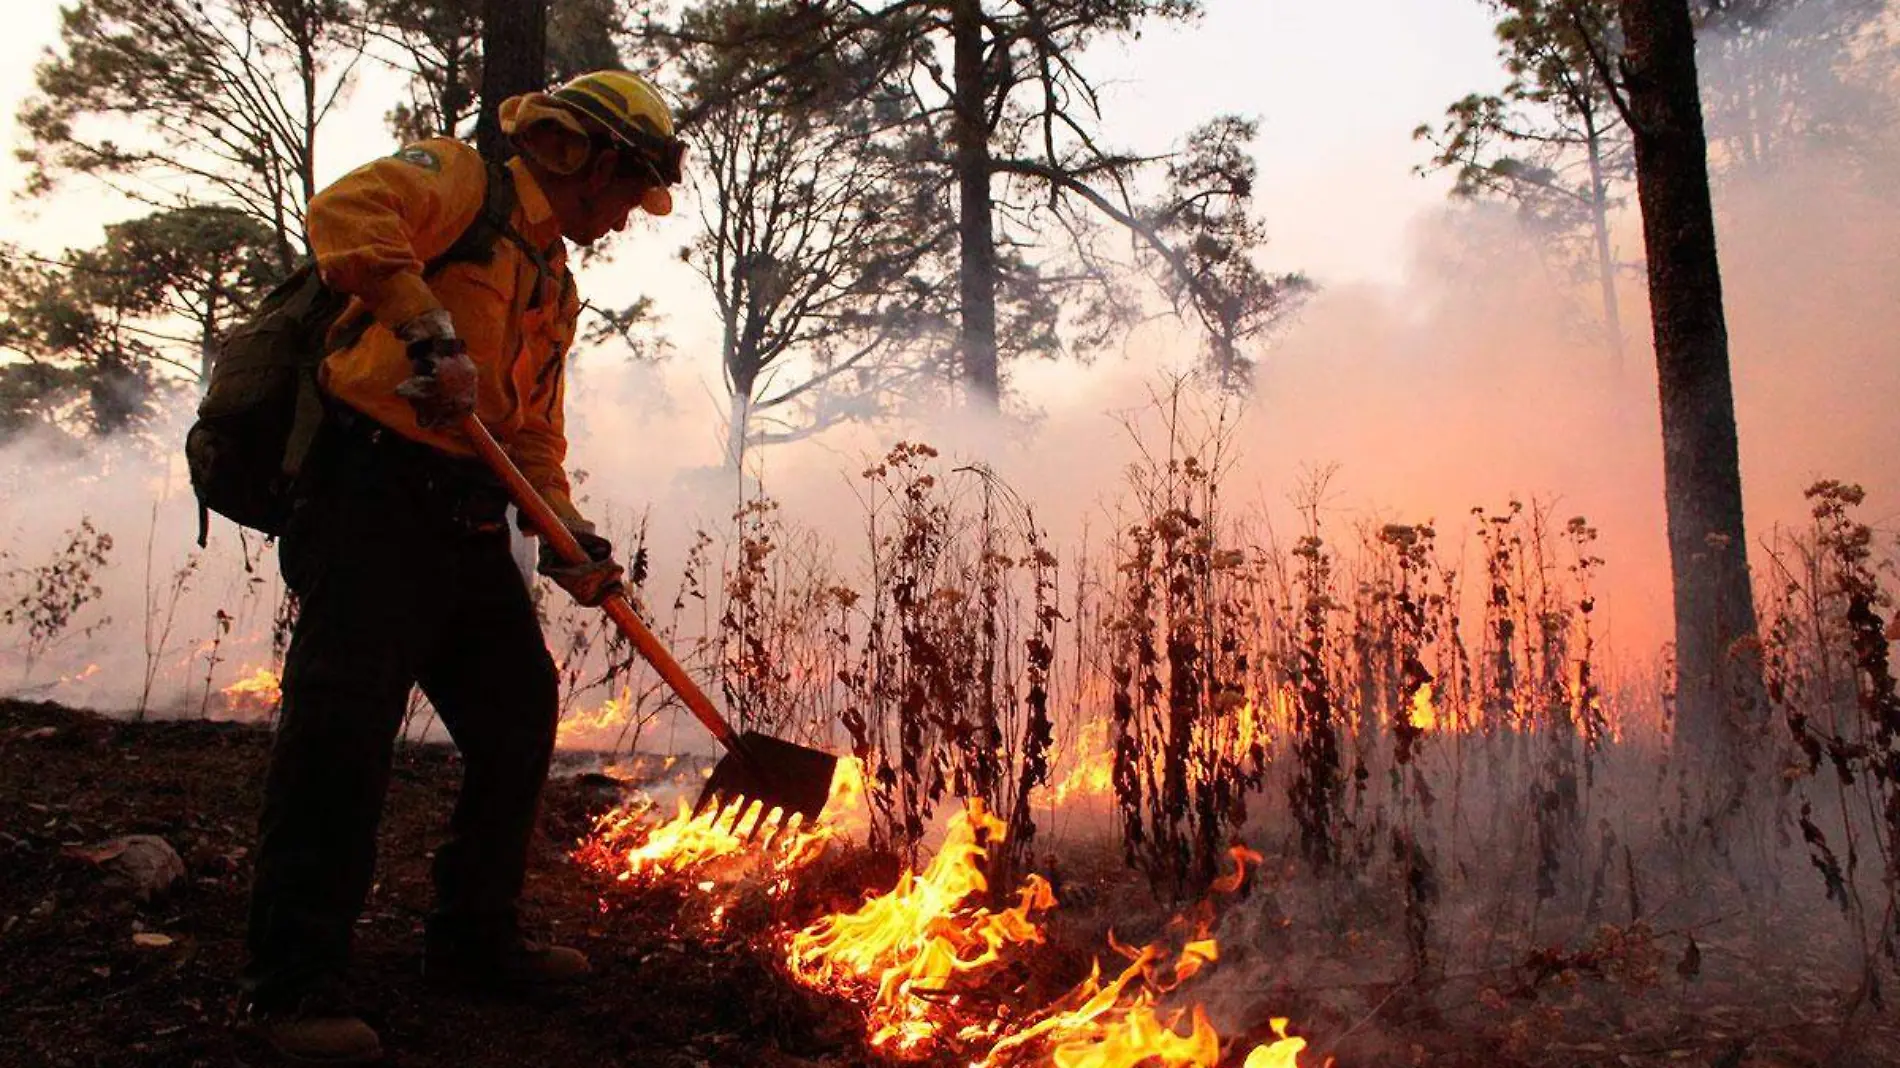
(590,583)
(443,388)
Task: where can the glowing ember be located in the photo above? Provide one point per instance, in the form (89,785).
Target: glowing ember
(259,692)
(907,949)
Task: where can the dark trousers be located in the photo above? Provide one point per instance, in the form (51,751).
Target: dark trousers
(400,561)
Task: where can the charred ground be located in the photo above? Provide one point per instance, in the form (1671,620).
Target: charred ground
(77,989)
(672,989)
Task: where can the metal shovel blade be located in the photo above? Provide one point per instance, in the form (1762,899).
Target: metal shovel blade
(777,774)
(782,779)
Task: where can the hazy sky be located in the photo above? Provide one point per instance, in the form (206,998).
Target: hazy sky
(1337,84)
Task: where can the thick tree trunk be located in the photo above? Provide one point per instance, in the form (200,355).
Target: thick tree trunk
(975,233)
(1718,672)
(514,60)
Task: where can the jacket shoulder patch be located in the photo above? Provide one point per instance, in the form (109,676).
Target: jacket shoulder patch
(421,157)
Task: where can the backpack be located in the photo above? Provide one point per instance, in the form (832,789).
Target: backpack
(262,405)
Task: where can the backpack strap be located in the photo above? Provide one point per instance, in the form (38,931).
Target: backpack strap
(304,421)
(496,223)
(492,223)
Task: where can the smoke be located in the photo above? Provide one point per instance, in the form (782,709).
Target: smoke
(1469,383)
(146,639)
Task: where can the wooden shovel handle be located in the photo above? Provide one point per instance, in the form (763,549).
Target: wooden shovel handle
(617,607)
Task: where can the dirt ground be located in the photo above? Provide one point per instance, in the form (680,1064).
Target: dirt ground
(90,976)
(77,989)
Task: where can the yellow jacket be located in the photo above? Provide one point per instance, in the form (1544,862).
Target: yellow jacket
(372,232)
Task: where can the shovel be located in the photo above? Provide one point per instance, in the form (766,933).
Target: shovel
(775,774)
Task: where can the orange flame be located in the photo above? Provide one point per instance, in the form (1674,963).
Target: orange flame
(1283,1053)
(1118,1024)
(598,729)
(88,672)
(638,767)
(259,692)
(913,954)
(846,815)
(1424,714)
(1092,777)
(909,947)
(629,844)
(1114,1024)
(1243,856)
(626,843)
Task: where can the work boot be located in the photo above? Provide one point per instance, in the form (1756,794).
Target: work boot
(501,963)
(318,1028)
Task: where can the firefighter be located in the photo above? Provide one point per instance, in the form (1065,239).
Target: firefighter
(398,551)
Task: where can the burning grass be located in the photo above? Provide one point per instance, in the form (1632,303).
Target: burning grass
(1122,1023)
(1427,741)
(634,843)
(1417,725)
(924,959)
(905,953)
(255,695)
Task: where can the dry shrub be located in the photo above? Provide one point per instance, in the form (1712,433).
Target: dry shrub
(955,640)
(46,600)
(1420,724)
(1828,672)
(1187,742)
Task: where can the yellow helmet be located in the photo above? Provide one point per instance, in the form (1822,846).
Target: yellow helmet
(624,105)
